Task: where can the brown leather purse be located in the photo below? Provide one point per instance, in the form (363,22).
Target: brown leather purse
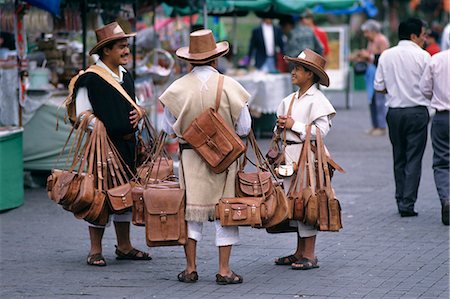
(164,217)
(212,138)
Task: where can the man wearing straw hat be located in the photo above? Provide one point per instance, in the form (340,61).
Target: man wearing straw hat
(184,100)
(120,118)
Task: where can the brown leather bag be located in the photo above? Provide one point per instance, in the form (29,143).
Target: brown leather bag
(120,198)
(98,213)
(281,210)
(241,211)
(164,217)
(138,214)
(212,138)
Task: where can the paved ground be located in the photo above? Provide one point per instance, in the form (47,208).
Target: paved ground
(378,254)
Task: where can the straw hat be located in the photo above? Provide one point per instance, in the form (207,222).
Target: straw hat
(202,47)
(108,33)
(313,62)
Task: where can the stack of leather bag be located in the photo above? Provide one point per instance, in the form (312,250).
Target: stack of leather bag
(311,198)
(158,200)
(261,201)
(98,182)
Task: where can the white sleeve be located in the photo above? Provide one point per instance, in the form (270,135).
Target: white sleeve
(244,122)
(323,123)
(426,82)
(378,82)
(82,104)
(168,122)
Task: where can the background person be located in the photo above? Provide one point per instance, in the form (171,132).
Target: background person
(434,84)
(398,74)
(307,18)
(377,43)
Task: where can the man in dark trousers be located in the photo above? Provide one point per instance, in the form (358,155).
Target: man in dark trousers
(120,119)
(265,43)
(398,75)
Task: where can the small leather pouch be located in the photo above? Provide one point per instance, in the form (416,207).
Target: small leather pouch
(120,198)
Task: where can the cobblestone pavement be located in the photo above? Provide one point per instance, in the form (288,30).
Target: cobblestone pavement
(378,254)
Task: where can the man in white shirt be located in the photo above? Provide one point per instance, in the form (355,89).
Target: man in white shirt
(434,84)
(398,75)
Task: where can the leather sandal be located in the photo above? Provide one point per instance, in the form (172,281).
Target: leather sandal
(188,277)
(233,279)
(133,254)
(96,260)
(305,264)
(286,260)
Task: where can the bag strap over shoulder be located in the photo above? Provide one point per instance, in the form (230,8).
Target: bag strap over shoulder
(219,92)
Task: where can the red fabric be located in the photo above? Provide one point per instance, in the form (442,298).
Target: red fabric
(322,36)
(433,49)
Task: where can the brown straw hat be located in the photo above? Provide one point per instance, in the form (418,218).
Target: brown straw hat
(108,33)
(313,62)
(202,47)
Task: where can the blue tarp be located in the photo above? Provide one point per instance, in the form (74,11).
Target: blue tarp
(51,6)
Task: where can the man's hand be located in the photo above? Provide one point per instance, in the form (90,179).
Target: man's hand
(285,122)
(135,117)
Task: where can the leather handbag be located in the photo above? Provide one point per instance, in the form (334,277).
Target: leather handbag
(138,214)
(98,212)
(164,217)
(212,138)
(281,210)
(120,198)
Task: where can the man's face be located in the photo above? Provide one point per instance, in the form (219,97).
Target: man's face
(369,35)
(119,53)
(421,39)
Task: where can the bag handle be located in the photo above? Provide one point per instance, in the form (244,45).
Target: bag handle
(320,159)
(297,181)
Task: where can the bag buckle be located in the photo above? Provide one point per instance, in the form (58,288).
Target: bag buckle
(163,217)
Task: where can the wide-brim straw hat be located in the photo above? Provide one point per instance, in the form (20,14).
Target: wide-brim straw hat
(313,62)
(202,48)
(108,33)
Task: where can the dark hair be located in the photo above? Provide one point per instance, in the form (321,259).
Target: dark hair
(205,63)
(434,35)
(408,27)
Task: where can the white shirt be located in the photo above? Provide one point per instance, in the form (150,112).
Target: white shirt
(435,81)
(323,122)
(445,38)
(399,71)
(269,40)
(244,121)
(82,99)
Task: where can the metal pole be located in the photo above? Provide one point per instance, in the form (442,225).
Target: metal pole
(133,50)
(205,15)
(235,41)
(84,30)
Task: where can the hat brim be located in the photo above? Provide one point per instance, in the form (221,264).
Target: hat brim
(221,49)
(324,79)
(100,44)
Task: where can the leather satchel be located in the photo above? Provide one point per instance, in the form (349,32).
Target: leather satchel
(120,198)
(237,211)
(138,214)
(281,210)
(212,138)
(164,217)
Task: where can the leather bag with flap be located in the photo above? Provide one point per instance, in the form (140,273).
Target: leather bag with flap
(213,139)
(164,217)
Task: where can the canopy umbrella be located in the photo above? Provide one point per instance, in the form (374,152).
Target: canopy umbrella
(325,6)
(51,6)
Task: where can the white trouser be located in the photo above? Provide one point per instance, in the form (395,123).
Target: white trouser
(225,235)
(125,217)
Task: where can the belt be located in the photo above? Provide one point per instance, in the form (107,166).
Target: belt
(442,112)
(290,142)
(184,146)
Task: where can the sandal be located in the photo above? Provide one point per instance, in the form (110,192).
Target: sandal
(233,279)
(133,254)
(286,260)
(96,260)
(188,277)
(305,264)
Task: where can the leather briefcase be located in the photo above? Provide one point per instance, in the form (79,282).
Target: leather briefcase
(212,138)
(164,217)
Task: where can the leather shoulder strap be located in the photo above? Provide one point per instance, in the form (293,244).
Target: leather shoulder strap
(291,104)
(107,77)
(219,92)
